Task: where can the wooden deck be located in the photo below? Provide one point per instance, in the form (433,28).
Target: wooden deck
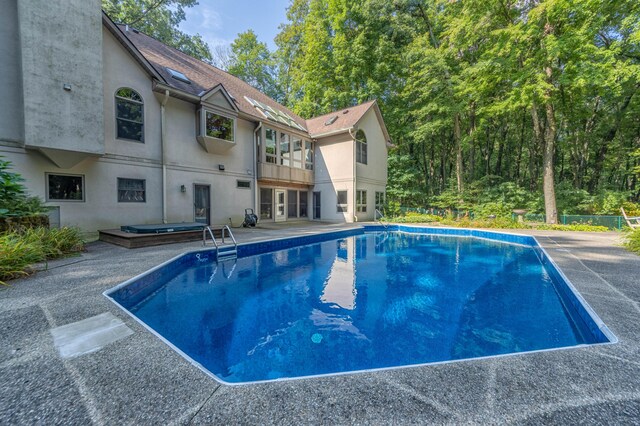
(131,240)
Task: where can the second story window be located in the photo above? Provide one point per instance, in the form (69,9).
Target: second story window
(308,155)
(361,147)
(297,152)
(285,150)
(218,126)
(129,115)
(270,137)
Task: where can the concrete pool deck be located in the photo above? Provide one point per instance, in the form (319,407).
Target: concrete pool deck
(140,380)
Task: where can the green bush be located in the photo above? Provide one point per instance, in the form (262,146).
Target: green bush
(19,250)
(14,200)
(415,218)
(583,227)
(497,223)
(632,241)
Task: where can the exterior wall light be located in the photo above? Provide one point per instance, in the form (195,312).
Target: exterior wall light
(183,188)
(66,87)
(221,167)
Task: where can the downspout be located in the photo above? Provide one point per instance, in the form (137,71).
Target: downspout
(163,140)
(355,218)
(255,168)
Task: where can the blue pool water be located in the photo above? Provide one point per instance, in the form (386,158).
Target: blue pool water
(374,300)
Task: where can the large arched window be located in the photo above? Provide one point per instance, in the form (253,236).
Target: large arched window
(361,147)
(129,115)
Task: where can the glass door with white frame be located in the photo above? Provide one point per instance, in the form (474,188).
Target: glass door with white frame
(281,205)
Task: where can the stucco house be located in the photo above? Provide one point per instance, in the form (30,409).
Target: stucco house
(112,127)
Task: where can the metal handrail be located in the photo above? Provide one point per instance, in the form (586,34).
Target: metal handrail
(375,217)
(213,238)
(204,236)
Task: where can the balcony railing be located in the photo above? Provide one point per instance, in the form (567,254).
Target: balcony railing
(284,174)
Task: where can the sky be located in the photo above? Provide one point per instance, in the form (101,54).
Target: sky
(220,21)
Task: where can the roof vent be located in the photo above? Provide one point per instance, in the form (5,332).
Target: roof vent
(330,121)
(345,111)
(135,30)
(178,76)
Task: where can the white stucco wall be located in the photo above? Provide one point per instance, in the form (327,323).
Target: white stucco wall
(61,43)
(334,171)
(121,70)
(372,176)
(11,105)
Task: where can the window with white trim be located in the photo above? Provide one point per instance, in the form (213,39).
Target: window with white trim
(270,141)
(361,201)
(379,201)
(285,149)
(297,152)
(308,155)
(342,201)
(129,115)
(361,147)
(132,190)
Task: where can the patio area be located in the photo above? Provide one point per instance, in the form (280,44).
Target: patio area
(140,380)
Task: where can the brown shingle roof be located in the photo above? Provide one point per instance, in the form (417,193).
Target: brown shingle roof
(346,118)
(203,76)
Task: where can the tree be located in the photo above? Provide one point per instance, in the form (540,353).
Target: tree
(159,19)
(251,61)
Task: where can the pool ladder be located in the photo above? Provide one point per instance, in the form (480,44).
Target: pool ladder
(226,254)
(377,216)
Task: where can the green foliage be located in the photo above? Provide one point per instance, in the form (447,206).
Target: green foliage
(573,227)
(486,81)
(14,200)
(632,241)
(19,250)
(159,19)
(251,61)
(415,218)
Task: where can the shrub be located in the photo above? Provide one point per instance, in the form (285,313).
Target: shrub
(415,218)
(14,200)
(573,227)
(632,241)
(19,250)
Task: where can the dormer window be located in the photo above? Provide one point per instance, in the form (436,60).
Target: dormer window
(178,76)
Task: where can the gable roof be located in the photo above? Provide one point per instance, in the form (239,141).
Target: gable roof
(203,76)
(345,119)
(157,58)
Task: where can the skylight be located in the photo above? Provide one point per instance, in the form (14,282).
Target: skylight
(178,76)
(274,114)
(330,121)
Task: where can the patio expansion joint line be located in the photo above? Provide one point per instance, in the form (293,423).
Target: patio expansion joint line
(624,296)
(90,403)
(430,401)
(491,386)
(203,404)
(598,351)
(576,403)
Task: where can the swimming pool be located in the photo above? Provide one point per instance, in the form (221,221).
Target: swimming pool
(361,299)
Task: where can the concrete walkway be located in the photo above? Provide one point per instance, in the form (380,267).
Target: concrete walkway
(140,380)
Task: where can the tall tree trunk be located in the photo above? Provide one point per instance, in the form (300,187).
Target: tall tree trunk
(458,143)
(608,138)
(548,183)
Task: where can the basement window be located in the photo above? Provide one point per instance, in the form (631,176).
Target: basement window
(65,187)
(131,190)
